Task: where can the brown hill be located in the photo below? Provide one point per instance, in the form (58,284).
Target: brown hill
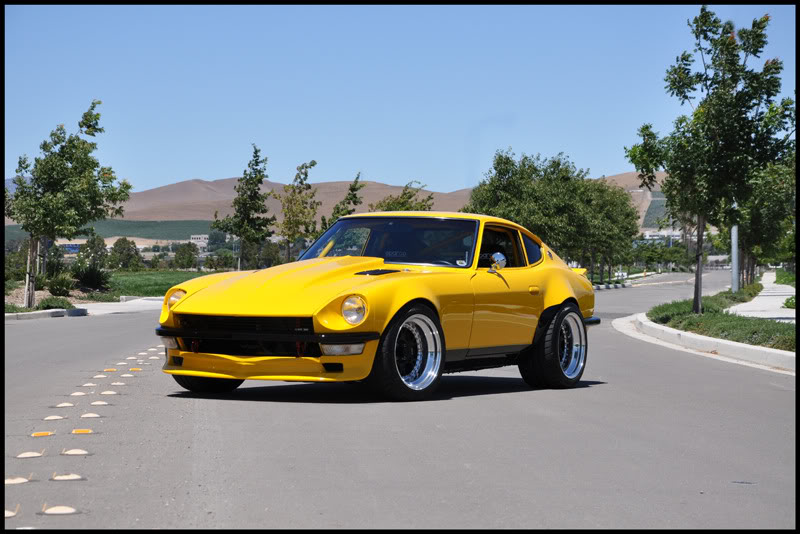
(640,197)
(199,199)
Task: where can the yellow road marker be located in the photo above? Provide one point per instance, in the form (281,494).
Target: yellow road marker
(9,513)
(42,434)
(109,370)
(64,405)
(108,392)
(74,452)
(53,418)
(135,369)
(31,454)
(82,431)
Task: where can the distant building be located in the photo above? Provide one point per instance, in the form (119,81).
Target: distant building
(201,240)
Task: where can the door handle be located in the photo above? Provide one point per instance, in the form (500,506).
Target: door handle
(533,290)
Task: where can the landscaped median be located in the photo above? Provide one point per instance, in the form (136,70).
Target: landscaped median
(762,341)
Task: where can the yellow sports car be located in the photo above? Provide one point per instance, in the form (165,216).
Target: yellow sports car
(394,299)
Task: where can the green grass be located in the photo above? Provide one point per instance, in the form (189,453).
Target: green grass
(13,308)
(713,322)
(784,277)
(165,230)
(142,284)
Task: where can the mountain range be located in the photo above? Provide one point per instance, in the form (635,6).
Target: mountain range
(200,199)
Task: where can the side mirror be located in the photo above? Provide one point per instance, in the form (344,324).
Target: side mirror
(498,262)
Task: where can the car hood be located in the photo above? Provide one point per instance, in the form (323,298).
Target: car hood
(292,289)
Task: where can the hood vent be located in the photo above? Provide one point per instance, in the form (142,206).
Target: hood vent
(377,272)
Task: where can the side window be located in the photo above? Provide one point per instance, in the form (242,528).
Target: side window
(501,240)
(532,249)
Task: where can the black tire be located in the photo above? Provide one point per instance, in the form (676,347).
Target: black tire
(397,372)
(200,384)
(559,358)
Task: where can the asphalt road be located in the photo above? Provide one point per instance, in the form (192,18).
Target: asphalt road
(651,438)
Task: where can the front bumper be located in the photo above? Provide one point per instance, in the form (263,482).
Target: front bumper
(299,367)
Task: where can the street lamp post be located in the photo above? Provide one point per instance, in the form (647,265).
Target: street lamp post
(734,256)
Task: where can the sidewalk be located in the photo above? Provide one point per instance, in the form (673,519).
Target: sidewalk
(769,303)
(130,306)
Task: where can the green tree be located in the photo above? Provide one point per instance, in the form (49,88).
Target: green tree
(125,255)
(186,256)
(249,221)
(346,206)
(67,189)
(216,239)
(93,252)
(407,200)
(299,208)
(577,217)
(737,128)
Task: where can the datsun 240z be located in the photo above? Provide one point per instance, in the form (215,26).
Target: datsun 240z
(394,299)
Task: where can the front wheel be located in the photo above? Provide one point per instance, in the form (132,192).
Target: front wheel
(559,359)
(201,384)
(410,358)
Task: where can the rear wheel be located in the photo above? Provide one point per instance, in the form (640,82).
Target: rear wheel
(200,384)
(559,358)
(410,357)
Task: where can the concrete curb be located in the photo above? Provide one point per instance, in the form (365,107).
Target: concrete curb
(41,314)
(741,351)
(613,286)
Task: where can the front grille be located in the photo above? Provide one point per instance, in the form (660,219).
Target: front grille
(229,335)
(256,325)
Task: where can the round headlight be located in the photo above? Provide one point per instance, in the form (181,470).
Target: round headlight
(354,309)
(175,297)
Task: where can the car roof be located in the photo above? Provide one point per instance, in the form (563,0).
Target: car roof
(437,215)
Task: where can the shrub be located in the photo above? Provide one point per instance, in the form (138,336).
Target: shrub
(51,303)
(40,281)
(91,275)
(61,285)
(789,303)
(55,262)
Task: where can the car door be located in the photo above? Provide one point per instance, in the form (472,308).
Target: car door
(508,302)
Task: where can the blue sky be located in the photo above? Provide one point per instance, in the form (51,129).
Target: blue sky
(398,93)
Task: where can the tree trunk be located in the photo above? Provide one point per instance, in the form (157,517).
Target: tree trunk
(591,265)
(30,276)
(602,268)
(697,304)
(288,250)
(610,267)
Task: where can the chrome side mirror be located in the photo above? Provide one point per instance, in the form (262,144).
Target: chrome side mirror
(498,262)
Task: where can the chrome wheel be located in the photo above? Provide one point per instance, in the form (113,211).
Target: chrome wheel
(418,352)
(572,345)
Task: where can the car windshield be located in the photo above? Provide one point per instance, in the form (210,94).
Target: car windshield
(422,240)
